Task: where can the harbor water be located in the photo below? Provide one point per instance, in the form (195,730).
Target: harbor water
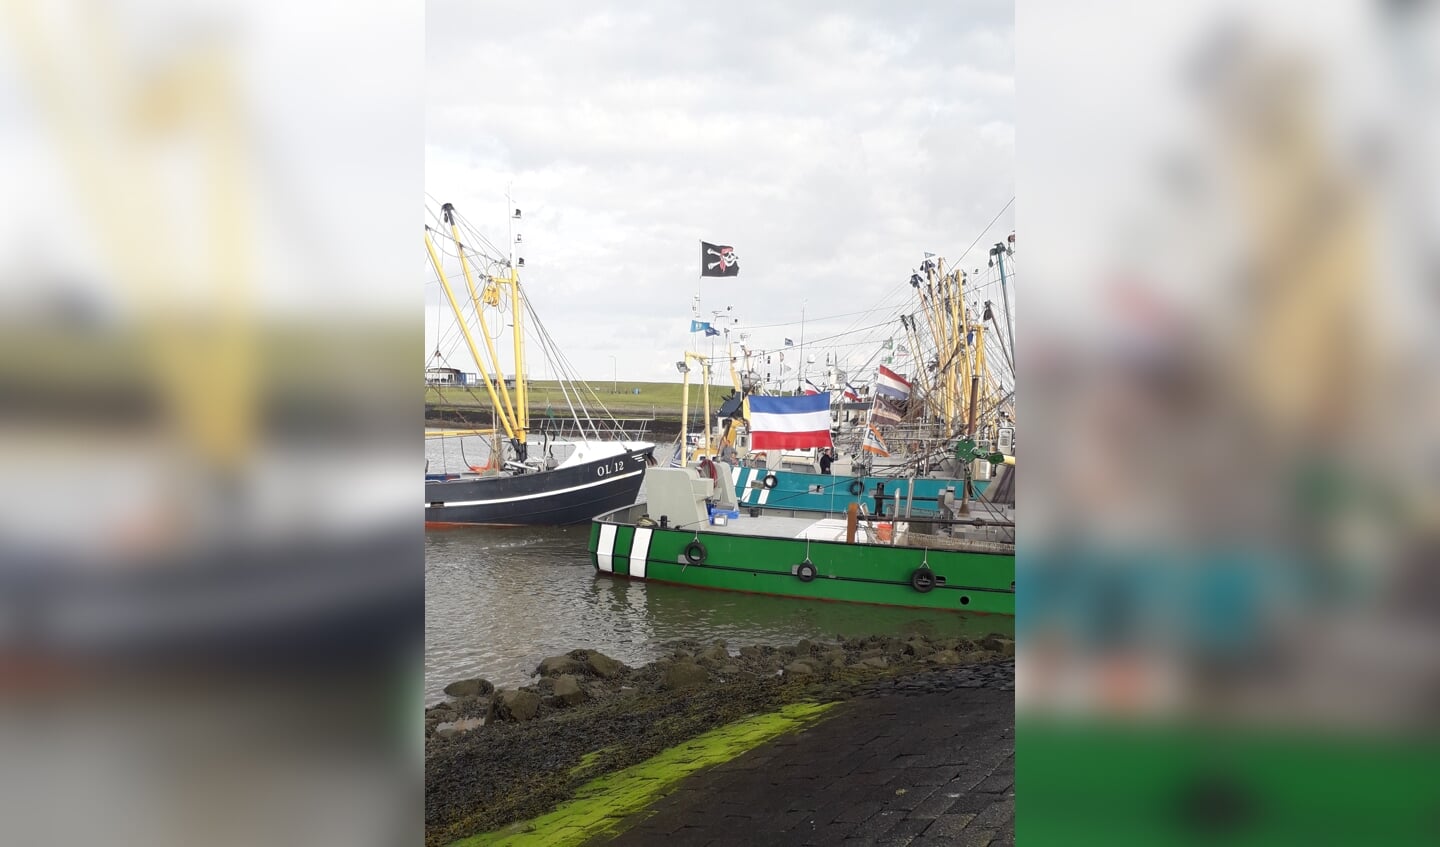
(498,600)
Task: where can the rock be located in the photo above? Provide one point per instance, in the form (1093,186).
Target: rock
(515,706)
(997,643)
(558,665)
(469,688)
(752,652)
(871,652)
(568,690)
(944,657)
(918,648)
(804,646)
(875,662)
(596,690)
(713,655)
(799,668)
(444,711)
(600,664)
(683,675)
(833,658)
(454,728)
(729,670)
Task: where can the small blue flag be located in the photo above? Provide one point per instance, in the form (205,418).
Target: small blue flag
(710,330)
(789,343)
(700,326)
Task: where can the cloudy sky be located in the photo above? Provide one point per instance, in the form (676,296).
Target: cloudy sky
(830,143)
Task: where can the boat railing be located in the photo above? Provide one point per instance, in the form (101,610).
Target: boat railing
(628,429)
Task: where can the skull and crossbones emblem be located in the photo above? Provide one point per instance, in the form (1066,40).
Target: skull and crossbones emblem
(723,257)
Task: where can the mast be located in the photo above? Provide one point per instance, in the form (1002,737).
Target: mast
(522,407)
(800,384)
(448,211)
(960,324)
(684,366)
(469,339)
(998,251)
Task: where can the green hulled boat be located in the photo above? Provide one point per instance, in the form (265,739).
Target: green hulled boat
(690,531)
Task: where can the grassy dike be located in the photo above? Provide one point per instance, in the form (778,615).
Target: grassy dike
(660,400)
(589,745)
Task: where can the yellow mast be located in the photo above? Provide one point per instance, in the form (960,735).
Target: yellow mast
(448,211)
(734,377)
(685,405)
(522,405)
(980,368)
(959,319)
(469,339)
(934,318)
(728,436)
(517,305)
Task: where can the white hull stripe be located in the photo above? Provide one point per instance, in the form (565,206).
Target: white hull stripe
(639,550)
(735,475)
(540,494)
(605,548)
(749,486)
(764,495)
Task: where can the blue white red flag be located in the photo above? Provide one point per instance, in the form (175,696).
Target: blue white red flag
(892,396)
(892,385)
(789,423)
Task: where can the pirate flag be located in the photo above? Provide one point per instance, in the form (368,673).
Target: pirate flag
(717,260)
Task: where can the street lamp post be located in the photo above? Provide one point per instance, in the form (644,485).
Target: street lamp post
(614,379)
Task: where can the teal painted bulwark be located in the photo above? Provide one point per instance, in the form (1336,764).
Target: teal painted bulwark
(856,573)
(814,492)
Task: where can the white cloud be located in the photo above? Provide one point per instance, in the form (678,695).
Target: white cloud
(830,143)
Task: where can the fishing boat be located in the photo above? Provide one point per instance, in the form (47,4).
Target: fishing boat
(691,530)
(521,480)
(943,427)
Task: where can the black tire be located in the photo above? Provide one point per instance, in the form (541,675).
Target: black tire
(857,487)
(695,552)
(922,580)
(805,571)
(769,481)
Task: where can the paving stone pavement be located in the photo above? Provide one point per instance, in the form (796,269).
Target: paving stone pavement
(924,761)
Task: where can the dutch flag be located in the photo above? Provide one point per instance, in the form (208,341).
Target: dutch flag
(789,423)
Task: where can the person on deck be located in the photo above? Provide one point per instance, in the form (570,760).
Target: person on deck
(826,459)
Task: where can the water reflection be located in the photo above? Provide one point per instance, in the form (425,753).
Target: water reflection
(500,600)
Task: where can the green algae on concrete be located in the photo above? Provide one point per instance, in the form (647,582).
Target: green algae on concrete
(601,805)
(589,760)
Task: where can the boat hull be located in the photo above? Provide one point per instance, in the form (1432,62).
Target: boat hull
(814,492)
(550,498)
(854,573)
